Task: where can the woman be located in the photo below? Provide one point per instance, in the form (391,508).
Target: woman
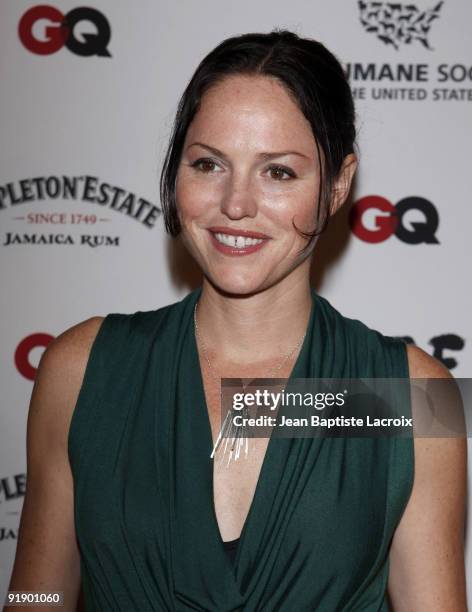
(261,155)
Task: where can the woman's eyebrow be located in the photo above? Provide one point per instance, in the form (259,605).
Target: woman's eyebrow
(264,155)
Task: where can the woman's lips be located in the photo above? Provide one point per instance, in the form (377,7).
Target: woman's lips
(237,242)
(236,232)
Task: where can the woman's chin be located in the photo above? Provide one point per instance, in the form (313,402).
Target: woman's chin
(237,284)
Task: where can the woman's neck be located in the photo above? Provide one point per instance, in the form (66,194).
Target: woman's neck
(256,329)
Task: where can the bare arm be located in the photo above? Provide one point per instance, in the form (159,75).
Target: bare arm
(47,557)
(427,570)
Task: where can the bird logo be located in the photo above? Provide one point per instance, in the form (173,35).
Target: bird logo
(395,24)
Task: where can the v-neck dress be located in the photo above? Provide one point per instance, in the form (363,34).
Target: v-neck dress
(318,532)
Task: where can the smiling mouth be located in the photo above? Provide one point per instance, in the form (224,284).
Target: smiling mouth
(232,242)
(236,242)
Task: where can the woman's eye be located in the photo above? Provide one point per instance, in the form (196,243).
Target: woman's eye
(279,172)
(204,165)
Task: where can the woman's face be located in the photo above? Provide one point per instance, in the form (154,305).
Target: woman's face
(249,168)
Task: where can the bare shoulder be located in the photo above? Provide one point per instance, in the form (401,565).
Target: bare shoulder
(427,551)
(60,373)
(72,347)
(423,365)
(437,457)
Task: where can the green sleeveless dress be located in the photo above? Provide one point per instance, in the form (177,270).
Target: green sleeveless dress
(318,532)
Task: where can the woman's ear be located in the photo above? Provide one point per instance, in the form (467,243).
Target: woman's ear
(342,184)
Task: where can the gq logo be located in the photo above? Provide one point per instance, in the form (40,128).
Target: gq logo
(48,39)
(392,220)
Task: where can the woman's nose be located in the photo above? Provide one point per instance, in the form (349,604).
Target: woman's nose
(239,201)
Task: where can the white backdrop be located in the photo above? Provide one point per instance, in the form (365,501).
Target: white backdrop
(74,111)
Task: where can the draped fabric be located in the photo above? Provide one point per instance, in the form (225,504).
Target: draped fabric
(319,528)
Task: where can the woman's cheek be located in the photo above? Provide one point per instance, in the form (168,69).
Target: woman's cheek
(306,217)
(298,208)
(196,198)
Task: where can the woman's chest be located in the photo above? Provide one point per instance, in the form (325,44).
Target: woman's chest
(234,480)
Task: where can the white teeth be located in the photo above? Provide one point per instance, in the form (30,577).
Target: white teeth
(238,242)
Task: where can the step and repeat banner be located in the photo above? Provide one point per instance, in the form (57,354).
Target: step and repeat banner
(86,114)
